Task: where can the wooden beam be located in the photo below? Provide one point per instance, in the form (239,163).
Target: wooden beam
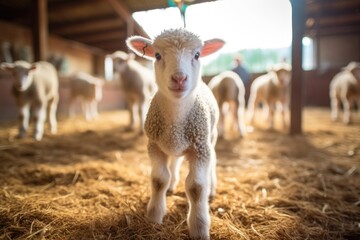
(40,30)
(91,33)
(328,31)
(85,25)
(331,6)
(298,25)
(125,14)
(56,6)
(102,37)
(113,46)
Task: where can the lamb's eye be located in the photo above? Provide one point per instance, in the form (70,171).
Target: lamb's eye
(197,55)
(158,56)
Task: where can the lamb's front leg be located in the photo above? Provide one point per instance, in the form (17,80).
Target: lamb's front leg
(160,178)
(197,188)
(24,116)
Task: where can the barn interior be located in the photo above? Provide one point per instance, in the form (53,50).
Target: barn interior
(80,184)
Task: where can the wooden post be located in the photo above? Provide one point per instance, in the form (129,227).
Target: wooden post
(40,30)
(298,16)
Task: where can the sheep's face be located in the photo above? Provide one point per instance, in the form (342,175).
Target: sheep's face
(177,70)
(283,77)
(22,76)
(120,60)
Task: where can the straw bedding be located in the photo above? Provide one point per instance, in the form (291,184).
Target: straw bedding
(91,181)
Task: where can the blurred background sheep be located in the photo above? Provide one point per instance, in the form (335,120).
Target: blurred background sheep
(345,90)
(271,90)
(89,89)
(36,90)
(137,84)
(229,91)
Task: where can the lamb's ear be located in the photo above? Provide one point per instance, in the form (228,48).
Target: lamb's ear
(131,56)
(211,46)
(33,66)
(7,66)
(141,46)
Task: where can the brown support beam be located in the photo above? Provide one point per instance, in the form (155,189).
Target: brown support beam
(40,30)
(125,13)
(298,24)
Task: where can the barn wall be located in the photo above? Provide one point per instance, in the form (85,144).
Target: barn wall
(77,57)
(338,51)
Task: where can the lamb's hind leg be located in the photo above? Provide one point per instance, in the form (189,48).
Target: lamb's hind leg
(40,117)
(52,114)
(347,110)
(160,178)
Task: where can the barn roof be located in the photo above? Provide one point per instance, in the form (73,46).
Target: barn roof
(98,23)
(103,24)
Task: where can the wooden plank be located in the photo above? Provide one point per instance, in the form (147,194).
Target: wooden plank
(125,13)
(40,30)
(298,25)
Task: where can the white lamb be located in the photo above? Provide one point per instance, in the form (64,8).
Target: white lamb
(345,88)
(181,122)
(137,83)
(271,89)
(36,88)
(89,89)
(229,88)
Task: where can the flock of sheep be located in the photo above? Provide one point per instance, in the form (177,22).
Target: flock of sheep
(181,115)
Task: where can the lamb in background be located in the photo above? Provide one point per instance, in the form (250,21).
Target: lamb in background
(345,88)
(229,88)
(181,122)
(36,88)
(89,89)
(137,83)
(271,89)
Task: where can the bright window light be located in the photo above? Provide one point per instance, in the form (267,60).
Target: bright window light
(242,24)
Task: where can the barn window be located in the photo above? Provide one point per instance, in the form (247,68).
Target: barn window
(309,61)
(109,74)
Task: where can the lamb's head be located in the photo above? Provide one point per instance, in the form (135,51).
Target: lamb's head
(176,54)
(120,60)
(22,73)
(283,74)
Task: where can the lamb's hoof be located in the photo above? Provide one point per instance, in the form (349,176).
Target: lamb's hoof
(154,216)
(38,137)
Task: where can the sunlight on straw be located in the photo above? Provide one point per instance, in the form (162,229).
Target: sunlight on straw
(324,208)
(257,233)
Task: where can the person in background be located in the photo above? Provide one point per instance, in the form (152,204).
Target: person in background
(241,70)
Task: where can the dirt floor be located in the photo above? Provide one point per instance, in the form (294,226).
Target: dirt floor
(91,181)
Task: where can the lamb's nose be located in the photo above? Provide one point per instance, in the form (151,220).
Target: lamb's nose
(179,77)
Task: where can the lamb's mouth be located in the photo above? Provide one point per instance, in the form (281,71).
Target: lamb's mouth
(178,89)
